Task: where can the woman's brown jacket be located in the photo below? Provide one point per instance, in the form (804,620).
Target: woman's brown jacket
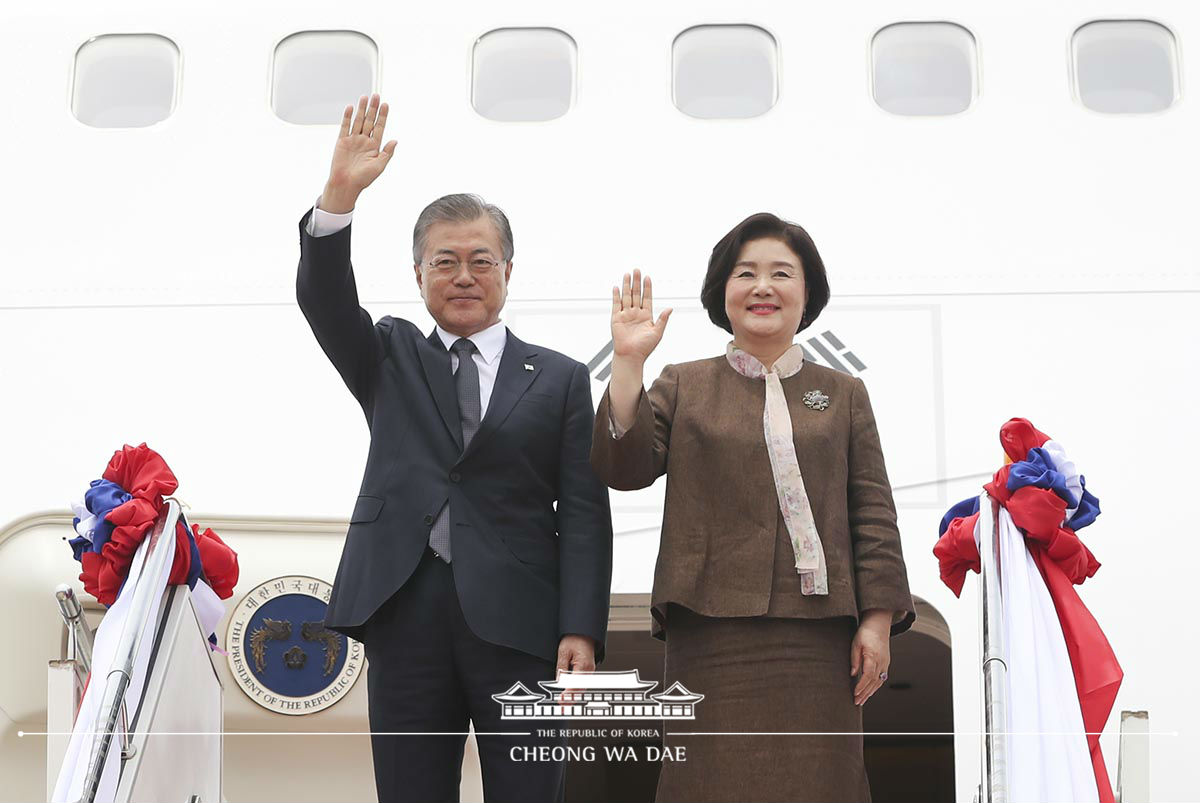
(701,423)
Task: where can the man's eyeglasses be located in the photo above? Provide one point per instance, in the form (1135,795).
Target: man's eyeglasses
(449,265)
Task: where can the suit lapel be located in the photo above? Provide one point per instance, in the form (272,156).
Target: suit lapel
(512,380)
(435,361)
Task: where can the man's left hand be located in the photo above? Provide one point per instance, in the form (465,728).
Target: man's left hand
(576,653)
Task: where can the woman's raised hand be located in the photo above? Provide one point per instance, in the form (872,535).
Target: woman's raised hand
(635,332)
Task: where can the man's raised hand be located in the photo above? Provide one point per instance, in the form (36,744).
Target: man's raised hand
(357,157)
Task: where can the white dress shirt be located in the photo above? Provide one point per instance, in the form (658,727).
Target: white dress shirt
(489,343)
(322,222)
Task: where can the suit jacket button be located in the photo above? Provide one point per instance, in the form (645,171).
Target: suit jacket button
(455,476)
(428,519)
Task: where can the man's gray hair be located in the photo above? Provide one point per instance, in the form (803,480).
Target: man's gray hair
(461,207)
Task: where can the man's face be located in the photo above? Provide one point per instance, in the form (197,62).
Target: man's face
(467,298)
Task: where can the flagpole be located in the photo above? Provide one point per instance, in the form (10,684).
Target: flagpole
(995,670)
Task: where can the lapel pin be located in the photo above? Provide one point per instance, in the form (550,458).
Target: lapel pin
(816,399)
(528,367)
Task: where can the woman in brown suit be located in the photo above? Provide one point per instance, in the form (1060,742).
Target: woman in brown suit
(779,575)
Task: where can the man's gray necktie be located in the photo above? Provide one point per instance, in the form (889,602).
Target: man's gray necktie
(466,380)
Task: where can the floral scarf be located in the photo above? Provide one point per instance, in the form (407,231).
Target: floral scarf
(789,485)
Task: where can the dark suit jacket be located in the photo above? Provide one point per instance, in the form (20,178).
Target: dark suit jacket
(527,570)
(701,424)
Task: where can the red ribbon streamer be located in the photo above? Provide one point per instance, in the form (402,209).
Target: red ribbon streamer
(1064,562)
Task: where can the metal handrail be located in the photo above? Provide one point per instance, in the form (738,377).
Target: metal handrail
(995,654)
(159,552)
(72,614)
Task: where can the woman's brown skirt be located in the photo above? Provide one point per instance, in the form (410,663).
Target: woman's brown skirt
(762,677)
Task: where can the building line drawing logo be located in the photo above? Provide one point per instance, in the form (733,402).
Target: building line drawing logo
(600,365)
(619,694)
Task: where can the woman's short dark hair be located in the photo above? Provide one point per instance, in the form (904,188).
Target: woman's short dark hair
(755,227)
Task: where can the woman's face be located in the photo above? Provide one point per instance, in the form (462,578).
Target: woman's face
(765,294)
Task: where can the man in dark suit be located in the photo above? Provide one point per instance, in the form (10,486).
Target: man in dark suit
(479,552)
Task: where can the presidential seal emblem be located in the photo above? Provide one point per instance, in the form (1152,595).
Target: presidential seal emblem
(282,655)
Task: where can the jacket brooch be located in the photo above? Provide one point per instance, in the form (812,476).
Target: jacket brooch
(816,399)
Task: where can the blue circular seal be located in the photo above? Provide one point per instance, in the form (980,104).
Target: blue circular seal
(282,655)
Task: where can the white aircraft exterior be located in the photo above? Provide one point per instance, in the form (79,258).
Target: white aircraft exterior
(1008,238)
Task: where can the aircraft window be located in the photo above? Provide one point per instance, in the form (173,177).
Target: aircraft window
(924,68)
(124,80)
(724,71)
(316,74)
(1124,66)
(523,74)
